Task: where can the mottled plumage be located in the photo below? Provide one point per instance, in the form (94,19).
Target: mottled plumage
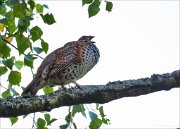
(65,65)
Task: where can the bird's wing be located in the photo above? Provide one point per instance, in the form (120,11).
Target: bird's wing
(63,58)
(61,64)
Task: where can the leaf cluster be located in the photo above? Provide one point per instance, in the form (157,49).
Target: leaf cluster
(97,117)
(16,32)
(94,6)
(18,36)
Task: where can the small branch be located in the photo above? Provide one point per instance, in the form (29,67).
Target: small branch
(9,43)
(38,56)
(89,94)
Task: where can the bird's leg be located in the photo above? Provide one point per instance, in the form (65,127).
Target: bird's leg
(77,85)
(63,87)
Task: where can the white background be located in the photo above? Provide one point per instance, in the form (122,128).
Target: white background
(136,39)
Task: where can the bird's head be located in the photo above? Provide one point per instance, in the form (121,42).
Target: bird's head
(86,39)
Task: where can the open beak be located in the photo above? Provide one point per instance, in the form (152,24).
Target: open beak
(91,37)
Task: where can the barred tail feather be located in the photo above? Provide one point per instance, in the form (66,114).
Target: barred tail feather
(32,88)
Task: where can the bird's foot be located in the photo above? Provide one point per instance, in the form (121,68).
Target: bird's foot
(77,85)
(62,88)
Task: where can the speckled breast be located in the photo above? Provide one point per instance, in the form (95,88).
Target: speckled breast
(87,59)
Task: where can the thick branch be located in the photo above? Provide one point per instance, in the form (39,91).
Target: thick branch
(89,94)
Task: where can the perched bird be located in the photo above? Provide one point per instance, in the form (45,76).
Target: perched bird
(65,65)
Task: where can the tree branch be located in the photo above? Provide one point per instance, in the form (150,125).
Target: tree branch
(12,107)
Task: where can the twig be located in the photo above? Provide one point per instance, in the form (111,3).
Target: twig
(17,48)
(3,86)
(38,56)
(34,122)
(9,43)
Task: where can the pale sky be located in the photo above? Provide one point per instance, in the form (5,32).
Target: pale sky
(136,39)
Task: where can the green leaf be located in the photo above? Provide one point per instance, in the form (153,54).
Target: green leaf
(19,64)
(36,33)
(4,49)
(92,115)
(48,119)
(3,70)
(24,24)
(65,126)
(9,15)
(52,120)
(19,10)
(14,77)
(68,118)
(44,46)
(28,60)
(9,22)
(11,3)
(106,121)
(41,123)
(48,90)
(9,62)
(93,9)
(2,9)
(101,111)
(38,50)
(31,3)
(6,94)
(109,6)
(48,18)
(13,120)
(78,108)
(86,2)
(39,8)
(95,124)
(22,43)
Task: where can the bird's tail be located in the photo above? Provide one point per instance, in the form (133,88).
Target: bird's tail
(32,88)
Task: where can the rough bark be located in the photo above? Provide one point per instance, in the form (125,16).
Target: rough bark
(17,106)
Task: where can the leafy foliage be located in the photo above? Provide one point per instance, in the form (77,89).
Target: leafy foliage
(48,119)
(13,120)
(4,49)
(41,123)
(48,90)
(48,18)
(109,6)
(97,116)
(8,62)
(22,43)
(39,8)
(86,2)
(19,64)
(14,77)
(94,6)
(36,33)
(6,94)
(44,46)
(3,70)
(28,60)
(17,34)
